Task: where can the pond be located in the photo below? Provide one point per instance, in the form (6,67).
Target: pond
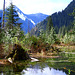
(65,65)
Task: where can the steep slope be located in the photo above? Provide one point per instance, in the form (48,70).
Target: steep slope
(29,21)
(59,19)
(64,17)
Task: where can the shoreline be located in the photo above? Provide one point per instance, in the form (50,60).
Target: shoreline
(40,55)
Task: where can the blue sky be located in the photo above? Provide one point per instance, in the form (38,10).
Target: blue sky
(39,6)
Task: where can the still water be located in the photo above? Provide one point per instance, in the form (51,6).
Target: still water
(65,65)
(36,70)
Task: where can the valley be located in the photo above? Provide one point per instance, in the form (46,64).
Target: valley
(37,43)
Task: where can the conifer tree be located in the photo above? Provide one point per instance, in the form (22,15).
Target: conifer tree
(50,32)
(49,24)
(12,17)
(12,25)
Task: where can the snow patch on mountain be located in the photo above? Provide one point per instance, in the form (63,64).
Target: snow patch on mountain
(32,21)
(22,16)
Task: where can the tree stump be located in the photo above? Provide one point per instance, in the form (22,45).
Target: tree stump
(18,53)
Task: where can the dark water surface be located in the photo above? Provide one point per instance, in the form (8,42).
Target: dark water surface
(65,65)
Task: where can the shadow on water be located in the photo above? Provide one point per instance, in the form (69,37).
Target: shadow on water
(65,65)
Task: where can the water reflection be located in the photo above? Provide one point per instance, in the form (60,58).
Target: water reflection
(44,71)
(38,68)
(57,66)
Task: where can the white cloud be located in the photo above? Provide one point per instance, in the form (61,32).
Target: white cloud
(35,6)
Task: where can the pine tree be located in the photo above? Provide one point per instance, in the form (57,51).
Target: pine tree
(49,24)
(12,17)
(13,27)
(50,32)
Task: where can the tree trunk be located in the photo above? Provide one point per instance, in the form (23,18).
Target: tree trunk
(3,14)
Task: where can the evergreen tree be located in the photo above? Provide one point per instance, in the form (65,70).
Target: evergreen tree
(49,24)
(62,31)
(13,27)
(50,32)
(12,17)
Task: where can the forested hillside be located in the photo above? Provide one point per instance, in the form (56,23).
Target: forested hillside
(59,19)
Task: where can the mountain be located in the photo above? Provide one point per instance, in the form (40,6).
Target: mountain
(38,17)
(59,19)
(28,20)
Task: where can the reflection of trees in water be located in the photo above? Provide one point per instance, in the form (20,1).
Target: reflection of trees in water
(18,67)
(15,68)
(6,70)
(63,66)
